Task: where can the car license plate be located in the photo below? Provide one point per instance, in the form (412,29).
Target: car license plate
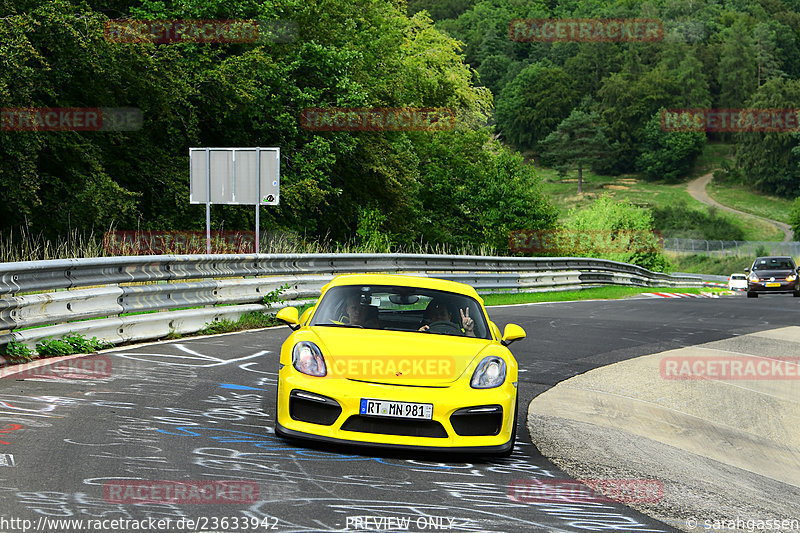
(773,284)
(372,407)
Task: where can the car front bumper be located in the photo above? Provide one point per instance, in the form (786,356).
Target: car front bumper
(301,416)
(775,287)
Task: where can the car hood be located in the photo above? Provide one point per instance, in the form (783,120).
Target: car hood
(397,357)
(774,273)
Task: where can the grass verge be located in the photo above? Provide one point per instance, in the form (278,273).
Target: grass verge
(720,265)
(599,293)
(631,188)
(743,199)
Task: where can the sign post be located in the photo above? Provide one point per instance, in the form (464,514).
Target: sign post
(234,176)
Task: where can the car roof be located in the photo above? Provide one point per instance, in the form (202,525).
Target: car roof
(775,257)
(403,281)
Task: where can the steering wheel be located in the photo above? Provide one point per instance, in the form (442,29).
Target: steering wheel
(445,327)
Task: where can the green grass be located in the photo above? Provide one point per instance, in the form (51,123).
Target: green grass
(599,293)
(738,197)
(631,188)
(711,159)
(720,265)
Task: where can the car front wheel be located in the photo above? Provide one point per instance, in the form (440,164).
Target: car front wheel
(752,295)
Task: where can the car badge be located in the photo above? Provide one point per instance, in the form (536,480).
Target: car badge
(772,279)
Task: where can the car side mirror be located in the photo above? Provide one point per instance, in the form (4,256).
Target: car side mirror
(747,270)
(511,333)
(306,314)
(290,316)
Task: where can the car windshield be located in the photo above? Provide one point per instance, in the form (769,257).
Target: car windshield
(738,276)
(773,263)
(400,308)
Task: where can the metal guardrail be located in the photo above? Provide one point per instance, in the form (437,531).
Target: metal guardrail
(94,296)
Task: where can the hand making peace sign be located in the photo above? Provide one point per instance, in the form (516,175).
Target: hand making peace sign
(466,322)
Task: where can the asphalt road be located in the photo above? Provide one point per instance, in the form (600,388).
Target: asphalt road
(203,409)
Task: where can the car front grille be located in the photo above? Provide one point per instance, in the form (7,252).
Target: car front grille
(389,426)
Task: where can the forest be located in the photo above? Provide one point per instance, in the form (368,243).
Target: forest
(468,185)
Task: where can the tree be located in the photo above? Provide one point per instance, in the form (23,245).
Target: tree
(770,161)
(668,155)
(578,141)
(737,66)
(532,105)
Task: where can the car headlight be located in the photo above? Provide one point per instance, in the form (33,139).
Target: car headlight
(491,372)
(307,358)
(791,277)
(753,277)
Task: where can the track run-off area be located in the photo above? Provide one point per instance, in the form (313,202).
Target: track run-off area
(202,410)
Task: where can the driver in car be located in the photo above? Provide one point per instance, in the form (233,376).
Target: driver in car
(437,311)
(357,314)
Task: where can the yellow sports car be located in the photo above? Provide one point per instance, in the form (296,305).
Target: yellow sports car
(399,361)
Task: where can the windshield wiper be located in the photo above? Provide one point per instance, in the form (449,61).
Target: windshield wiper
(334,325)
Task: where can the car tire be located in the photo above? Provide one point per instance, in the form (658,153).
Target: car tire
(796,294)
(752,295)
(513,439)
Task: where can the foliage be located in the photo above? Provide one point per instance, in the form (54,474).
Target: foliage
(274,296)
(69,344)
(668,155)
(16,352)
(770,162)
(534,103)
(578,141)
(680,221)
(475,192)
(250,320)
(713,54)
(617,231)
(346,53)
(368,231)
(794,217)
(719,265)
(54,348)
(81,344)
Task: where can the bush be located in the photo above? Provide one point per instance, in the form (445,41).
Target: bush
(54,348)
(680,221)
(17,353)
(666,155)
(626,231)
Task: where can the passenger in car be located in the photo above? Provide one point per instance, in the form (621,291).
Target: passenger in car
(437,311)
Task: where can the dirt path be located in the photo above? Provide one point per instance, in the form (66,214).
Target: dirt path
(697,189)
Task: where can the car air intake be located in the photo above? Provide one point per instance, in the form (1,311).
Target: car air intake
(484,420)
(313,408)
